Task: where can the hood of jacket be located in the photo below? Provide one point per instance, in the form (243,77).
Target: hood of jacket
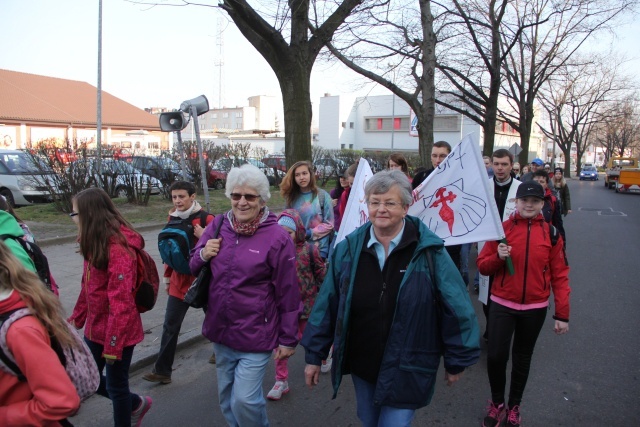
(300,230)
(10,300)
(9,225)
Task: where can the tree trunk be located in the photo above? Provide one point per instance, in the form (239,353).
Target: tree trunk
(296,96)
(427,112)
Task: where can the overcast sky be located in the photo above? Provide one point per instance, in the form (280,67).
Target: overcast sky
(160,56)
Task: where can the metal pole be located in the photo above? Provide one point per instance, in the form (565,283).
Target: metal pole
(393,118)
(183,158)
(99,112)
(205,188)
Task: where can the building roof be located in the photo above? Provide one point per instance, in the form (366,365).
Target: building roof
(49,101)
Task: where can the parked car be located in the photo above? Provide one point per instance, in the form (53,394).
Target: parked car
(277,162)
(218,175)
(127,178)
(23,178)
(589,172)
(162,168)
(328,166)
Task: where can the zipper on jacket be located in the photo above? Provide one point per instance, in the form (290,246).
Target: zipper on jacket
(526,263)
(384,287)
(544,277)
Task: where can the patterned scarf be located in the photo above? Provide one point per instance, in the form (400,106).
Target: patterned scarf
(248,228)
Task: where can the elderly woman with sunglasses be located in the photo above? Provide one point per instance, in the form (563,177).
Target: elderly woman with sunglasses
(254,299)
(391,304)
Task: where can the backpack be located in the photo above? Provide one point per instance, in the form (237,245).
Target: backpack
(148,282)
(176,240)
(78,362)
(39,260)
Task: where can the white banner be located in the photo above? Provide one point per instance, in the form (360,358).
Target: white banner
(356,212)
(455,201)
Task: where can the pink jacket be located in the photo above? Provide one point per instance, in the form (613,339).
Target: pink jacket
(105,306)
(48,394)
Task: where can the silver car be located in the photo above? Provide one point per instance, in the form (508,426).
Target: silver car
(24,179)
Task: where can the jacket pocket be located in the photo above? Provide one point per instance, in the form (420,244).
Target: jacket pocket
(414,381)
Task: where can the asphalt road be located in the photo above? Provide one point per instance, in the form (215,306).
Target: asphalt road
(589,377)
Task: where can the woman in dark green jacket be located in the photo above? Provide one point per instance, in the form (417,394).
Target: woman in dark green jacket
(387,319)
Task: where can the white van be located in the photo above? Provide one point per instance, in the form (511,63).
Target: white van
(22,180)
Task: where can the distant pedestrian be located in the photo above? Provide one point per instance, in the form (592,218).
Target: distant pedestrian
(562,190)
(314,205)
(535,165)
(520,304)
(341,185)
(552,210)
(488,166)
(186,209)
(28,235)
(516,170)
(106,307)
(398,162)
(46,395)
(350,175)
(254,298)
(311,270)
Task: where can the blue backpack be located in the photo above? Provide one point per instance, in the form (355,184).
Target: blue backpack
(176,240)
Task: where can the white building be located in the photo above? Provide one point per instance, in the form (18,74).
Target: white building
(381,123)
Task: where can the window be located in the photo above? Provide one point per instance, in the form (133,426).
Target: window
(385,124)
(342,146)
(239,114)
(446,123)
(350,146)
(350,125)
(225,115)
(154,145)
(344,124)
(214,116)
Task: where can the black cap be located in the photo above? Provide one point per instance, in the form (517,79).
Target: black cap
(530,188)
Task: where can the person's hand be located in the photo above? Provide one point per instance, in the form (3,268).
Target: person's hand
(283,353)
(311,375)
(211,249)
(569,211)
(334,202)
(561,327)
(451,378)
(198,230)
(504,251)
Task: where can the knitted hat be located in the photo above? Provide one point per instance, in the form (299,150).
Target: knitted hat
(530,188)
(287,221)
(558,170)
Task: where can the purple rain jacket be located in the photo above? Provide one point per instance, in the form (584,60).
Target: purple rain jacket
(254,300)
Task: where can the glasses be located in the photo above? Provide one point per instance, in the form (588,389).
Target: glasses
(72,214)
(248,197)
(389,205)
(516,170)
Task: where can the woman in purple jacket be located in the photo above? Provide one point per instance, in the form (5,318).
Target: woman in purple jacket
(254,300)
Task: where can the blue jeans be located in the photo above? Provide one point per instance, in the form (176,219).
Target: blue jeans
(115,385)
(173,318)
(240,376)
(377,416)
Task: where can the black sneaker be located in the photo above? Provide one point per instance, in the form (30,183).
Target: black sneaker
(495,415)
(513,417)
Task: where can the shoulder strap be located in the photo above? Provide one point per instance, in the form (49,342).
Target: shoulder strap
(10,364)
(218,226)
(321,199)
(203,217)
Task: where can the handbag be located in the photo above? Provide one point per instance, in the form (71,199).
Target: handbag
(197,295)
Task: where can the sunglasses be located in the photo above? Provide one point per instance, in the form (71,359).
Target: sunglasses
(516,170)
(72,214)
(248,197)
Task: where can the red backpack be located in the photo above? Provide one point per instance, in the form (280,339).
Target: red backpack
(147,283)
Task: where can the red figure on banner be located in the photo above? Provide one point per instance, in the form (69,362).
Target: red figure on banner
(446,213)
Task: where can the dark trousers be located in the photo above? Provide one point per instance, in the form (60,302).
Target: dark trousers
(115,384)
(524,326)
(173,318)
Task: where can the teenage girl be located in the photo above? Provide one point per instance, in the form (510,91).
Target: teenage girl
(312,203)
(106,306)
(48,395)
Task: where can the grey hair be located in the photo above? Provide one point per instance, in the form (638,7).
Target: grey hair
(383,181)
(250,176)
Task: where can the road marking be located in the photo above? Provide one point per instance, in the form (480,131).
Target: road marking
(603,211)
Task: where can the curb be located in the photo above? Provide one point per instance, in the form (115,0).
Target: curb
(72,237)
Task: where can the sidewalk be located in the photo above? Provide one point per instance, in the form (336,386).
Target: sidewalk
(58,244)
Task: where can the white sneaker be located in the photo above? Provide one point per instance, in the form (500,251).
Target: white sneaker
(279,388)
(326,365)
